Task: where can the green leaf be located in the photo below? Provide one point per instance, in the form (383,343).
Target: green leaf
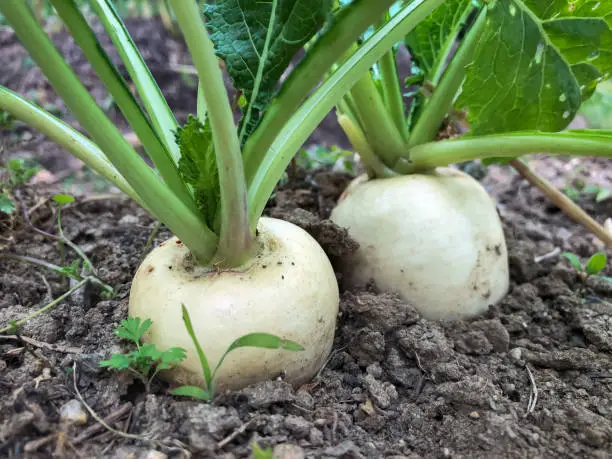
(171,358)
(572,193)
(603,278)
(430,43)
(264,340)
(117,362)
(535,63)
(259,453)
(574,261)
(603,194)
(63,199)
(239,28)
(596,263)
(20,172)
(580,29)
(192,391)
(259,340)
(149,351)
(7,205)
(73,270)
(133,328)
(203,360)
(198,166)
(430,38)
(598,109)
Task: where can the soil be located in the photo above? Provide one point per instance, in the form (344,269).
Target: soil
(531,378)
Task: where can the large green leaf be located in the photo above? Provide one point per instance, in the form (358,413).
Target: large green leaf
(241,29)
(430,38)
(535,64)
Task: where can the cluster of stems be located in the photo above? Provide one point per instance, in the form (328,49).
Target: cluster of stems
(335,73)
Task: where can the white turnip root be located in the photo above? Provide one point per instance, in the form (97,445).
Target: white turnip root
(435,239)
(288,290)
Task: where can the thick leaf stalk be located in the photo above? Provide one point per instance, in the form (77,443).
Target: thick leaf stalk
(152,191)
(235,239)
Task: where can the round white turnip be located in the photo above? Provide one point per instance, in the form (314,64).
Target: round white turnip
(435,239)
(289,290)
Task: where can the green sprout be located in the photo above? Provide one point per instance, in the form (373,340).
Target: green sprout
(146,361)
(259,453)
(257,340)
(16,172)
(592,268)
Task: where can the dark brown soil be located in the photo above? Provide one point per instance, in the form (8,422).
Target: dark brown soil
(395,386)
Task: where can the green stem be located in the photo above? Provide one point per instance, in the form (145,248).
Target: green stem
(446,152)
(392,91)
(118,88)
(449,46)
(358,139)
(41,264)
(235,239)
(64,240)
(58,270)
(376,121)
(325,97)
(155,104)
(349,24)
(67,137)
(162,202)
(443,98)
(60,241)
(47,307)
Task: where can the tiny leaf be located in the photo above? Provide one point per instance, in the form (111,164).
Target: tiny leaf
(603,194)
(20,173)
(259,340)
(596,263)
(171,358)
(72,270)
(117,362)
(192,391)
(574,261)
(133,328)
(603,278)
(150,351)
(265,341)
(7,205)
(63,199)
(259,453)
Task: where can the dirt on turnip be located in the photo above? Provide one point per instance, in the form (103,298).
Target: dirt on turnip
(531,378)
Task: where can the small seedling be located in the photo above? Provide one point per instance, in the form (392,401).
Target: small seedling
(15,173)
(259,340)
(579,189)
(259,453)
(592,268)
(146,361)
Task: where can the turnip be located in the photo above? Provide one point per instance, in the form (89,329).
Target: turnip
(433,238)
(431,233)
(237,273)
(289,290)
